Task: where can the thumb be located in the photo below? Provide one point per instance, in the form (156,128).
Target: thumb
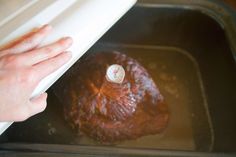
(38,104)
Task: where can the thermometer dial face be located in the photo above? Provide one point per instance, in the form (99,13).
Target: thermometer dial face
(115,73)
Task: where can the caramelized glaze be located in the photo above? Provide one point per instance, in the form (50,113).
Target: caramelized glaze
(111,112)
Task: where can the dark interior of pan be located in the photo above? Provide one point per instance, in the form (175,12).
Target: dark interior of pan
(189,57)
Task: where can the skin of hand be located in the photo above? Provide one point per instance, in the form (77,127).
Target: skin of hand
(23,64)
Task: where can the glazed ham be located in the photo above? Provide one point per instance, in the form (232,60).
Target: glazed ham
(111,109)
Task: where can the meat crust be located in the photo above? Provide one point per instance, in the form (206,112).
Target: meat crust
(110,112)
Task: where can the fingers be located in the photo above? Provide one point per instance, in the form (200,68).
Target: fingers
(37,104)
(41,70)
(27,109)
(27,42)
(49,66)
(46,52)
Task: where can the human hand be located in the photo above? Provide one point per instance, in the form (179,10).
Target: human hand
(22,66)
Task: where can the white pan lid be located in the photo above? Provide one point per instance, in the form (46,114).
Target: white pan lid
(84,20)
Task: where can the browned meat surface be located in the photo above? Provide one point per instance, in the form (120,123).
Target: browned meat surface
(107,111)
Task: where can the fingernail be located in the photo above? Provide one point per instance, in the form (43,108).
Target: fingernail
(47,27)
(68,40)
(46,95)
(69,53)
